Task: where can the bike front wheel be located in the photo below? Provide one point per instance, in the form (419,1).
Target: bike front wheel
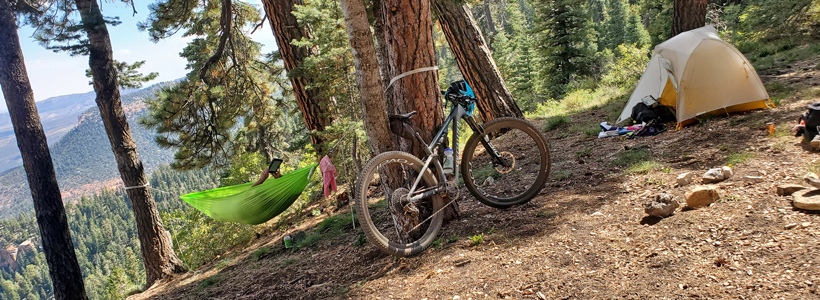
(391,221)
(528,163)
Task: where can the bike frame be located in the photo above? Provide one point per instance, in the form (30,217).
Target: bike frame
(456,114)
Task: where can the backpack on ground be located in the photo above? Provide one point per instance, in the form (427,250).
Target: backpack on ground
(812,119)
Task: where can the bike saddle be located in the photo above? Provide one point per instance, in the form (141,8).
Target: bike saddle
(403,117)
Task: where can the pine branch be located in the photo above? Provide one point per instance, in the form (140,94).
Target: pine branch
(225,24)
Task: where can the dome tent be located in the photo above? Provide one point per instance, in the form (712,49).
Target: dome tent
(697,73)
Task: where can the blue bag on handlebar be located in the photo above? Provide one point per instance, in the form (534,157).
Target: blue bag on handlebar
(459,89)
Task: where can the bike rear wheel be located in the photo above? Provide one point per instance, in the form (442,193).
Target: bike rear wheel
(521,145)
(393,223)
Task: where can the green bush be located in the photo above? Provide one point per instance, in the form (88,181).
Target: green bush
(198,238)
(555,122)
(327,229)
(637,160)
(630,63)
(737,158)
(261,251)
(211,281)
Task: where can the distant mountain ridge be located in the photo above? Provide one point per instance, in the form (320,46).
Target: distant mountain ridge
(82,157)
(57,114)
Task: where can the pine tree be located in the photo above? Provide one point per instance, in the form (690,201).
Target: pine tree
(616,24)
(31,139)
(409,40)
(158,256)
(517,59)
(566,39)
(373,106)
(199,118)
(635,32)
(475,61)
(286,29)
(688,15)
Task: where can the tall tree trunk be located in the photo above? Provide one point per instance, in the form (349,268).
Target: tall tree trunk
(688,15)
(381,52)
(368,79)
(286,29)
(31,139)
(488,17)
(409,39)
(475,61)
(408,31)
(157,252)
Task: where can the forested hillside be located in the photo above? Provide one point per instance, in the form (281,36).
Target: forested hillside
(83,159)
(104,235)
(58,115)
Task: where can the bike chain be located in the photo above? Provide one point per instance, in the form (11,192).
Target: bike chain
(433,215)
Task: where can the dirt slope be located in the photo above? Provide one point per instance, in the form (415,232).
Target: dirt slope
(586,235)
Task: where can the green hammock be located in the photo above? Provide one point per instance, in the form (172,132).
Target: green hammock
(252,205)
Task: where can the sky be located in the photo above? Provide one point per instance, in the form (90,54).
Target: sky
(55,74)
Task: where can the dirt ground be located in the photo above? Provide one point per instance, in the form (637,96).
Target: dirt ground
(586,235)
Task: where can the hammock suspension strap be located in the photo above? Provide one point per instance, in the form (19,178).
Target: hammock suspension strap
(408,73)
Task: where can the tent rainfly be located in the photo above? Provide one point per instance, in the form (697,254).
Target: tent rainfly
(697,73)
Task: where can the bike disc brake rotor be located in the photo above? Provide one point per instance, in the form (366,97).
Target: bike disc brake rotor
(510,158)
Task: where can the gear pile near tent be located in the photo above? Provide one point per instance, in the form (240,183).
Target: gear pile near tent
(697,73)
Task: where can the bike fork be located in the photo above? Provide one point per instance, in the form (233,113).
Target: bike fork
(485,140)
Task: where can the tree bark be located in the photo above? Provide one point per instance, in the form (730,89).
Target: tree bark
(688,15)
(63,268)
(286,29)
(475,61)
(157,253)
(488,17)
(368,79)
(381,53)
(408,30)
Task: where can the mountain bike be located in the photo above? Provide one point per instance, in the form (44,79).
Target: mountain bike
(400,198)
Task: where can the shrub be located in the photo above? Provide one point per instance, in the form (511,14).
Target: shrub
(556,122)
(626,70)
(198,238)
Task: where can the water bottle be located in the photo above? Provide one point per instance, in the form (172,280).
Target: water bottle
(448,161)
(288,243)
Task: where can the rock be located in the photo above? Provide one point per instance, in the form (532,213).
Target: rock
(727,172)
(790,225)
(812,180)
(685,178)
(663,206)
(807,199)
(788,189)
(489,181)
(713,176)
(754,179)
(702,195)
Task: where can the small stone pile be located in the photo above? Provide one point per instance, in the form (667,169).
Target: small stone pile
(703,195)
(663,205)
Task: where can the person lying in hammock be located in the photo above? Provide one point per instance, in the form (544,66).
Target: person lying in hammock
(272,170)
